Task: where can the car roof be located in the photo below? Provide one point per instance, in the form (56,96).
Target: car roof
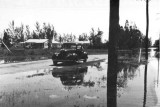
(73,43)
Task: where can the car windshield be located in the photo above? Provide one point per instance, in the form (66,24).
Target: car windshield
(69,46)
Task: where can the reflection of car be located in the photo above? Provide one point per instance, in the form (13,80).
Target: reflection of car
(70,76)
(70,52)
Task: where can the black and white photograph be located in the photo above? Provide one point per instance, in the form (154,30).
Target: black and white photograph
(79,53)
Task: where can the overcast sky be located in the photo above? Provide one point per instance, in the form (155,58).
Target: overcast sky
(78,16)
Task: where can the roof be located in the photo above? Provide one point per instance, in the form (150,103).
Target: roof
(36,41)
(83,42)
(76,43)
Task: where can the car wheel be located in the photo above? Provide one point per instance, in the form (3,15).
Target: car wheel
(54,63)
(85,60)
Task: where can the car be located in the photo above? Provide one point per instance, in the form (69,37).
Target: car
(70,52)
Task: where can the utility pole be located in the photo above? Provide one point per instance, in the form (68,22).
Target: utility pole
(147,27)
(112,54)
(159,46)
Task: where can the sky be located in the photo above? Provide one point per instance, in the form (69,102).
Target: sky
(78,16)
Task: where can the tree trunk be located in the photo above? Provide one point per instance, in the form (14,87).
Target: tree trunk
(147,27)
(113,28)
(112,54)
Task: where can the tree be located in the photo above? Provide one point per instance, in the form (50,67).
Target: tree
(92,37)
(156,43)
(67,38)
(112,54)
(28,33)
(96,38)
(37,27)
(144,42)
(6,39)
(130,37)
(16,33)
(49,34)
(34,35)
(83,37)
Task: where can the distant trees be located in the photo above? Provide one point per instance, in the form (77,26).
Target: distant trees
(16,33)
(129,37)
(95,38)
(67,38)
(50,33)
(83,37)
(6,39)
(27,33)
(156,43)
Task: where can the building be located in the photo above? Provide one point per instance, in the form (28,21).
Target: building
(36,43)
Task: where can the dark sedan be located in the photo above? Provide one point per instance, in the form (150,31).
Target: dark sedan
(70,52)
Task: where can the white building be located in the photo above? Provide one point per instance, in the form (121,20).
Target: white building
(37,43)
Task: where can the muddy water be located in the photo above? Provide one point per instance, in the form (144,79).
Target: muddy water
(82,85)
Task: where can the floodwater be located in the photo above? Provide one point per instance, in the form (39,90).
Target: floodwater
(82,85)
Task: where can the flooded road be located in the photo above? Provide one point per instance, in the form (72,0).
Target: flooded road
(140,86)
(79,85)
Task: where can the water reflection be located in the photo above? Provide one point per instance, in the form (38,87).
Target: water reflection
(118,75)
(157,85)
(125,72)
(97,65)
(158,72)
(83,85)
(145,86)
(112,78)
(71,76)
(112,87)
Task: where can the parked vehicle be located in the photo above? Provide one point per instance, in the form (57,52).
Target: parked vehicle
(70,52)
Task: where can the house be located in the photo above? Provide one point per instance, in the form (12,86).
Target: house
(36,43)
